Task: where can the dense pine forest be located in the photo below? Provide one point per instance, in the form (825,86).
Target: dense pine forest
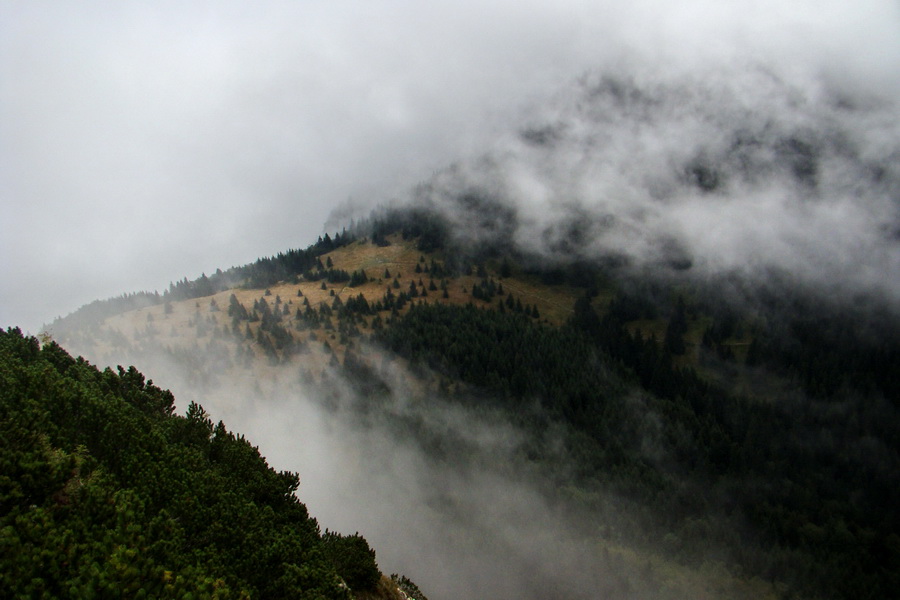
(106,492)
(757,430)
(814,481)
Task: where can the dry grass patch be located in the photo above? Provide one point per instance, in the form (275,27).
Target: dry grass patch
(178,328)
(400,256)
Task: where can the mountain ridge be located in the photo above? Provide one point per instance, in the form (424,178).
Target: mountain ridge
(695,365)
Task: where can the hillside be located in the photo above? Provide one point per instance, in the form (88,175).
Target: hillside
(719,448)
(107,492)
(311,310)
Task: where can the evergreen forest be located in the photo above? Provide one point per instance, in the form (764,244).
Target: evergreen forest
(105,492)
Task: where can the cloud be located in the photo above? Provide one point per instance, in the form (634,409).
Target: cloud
(141,144)
(731,169)
(442,492)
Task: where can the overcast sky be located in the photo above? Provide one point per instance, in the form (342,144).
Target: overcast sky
(144,142)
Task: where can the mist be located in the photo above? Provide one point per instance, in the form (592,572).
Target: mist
(443,492)
(730,170)
(140,145)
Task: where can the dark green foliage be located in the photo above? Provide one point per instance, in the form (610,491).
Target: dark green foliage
(506,353)
(797,473)
(829,351)
(408,587)
(436,269)
(485,290)
(104,492)
(353,559)
(236,310)
(355,305)
(430,229)
(358,278)
(379,239)
(363,378)
(329,275)
(674,340)
(284,266)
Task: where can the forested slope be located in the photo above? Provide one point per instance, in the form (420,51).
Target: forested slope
(796,490)
(106,492)
(755,430)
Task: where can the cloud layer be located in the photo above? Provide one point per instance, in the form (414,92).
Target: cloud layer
(142,144)
(442,492)
(727,169)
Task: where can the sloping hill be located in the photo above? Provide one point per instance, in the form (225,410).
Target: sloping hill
(305,312)
(106,492)
(716,448)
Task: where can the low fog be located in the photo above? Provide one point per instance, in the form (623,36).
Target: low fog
(443,493)
(142,144)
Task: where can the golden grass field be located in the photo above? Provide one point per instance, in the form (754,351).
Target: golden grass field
(179,328)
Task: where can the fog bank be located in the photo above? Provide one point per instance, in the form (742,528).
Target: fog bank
(727,169)
(444,493)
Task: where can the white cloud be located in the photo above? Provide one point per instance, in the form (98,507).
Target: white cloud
(143,143)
